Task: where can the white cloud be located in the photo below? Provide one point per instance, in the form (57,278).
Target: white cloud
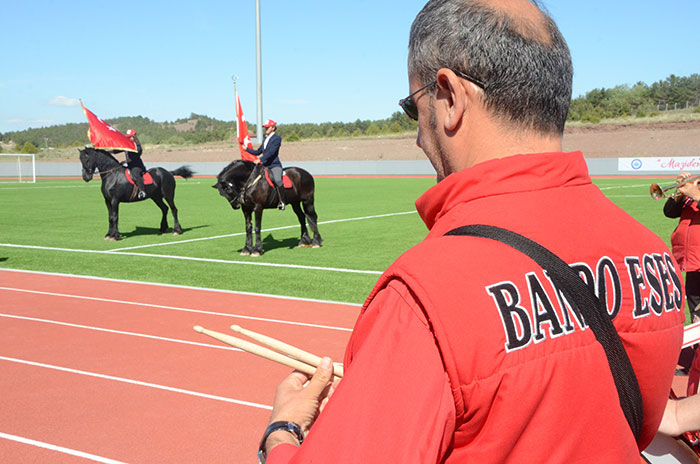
(64,101)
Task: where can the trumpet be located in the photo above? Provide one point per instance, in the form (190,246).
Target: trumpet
(658,193)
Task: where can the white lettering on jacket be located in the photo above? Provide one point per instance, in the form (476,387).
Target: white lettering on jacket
(531,315)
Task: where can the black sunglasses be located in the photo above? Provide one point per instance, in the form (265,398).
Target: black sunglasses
(410,108)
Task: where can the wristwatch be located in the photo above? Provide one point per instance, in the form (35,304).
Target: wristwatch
(290,427)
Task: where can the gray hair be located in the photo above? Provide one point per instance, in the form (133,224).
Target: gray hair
(526,68)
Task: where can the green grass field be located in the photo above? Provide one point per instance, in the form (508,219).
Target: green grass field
(59,225)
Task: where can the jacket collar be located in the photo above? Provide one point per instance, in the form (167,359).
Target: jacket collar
(512,174)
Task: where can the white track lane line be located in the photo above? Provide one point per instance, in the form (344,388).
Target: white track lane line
(175,308)
(188,287)
(119,332)
(136,382)
(60,449)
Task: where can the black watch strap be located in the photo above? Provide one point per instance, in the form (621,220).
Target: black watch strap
(290,427)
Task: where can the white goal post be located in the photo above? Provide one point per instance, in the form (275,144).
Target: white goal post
(17,167)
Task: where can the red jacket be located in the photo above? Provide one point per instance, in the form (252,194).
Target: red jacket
(463,351)
(685,240)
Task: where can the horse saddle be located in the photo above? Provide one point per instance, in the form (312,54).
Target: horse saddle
(147,179)
(285,180)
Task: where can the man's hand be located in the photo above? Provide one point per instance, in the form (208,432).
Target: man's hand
(689,189)
(299,399)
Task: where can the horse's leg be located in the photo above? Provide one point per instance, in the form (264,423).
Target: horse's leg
(168,192)
(305,239)
(177,229)
(110,229)
(248,248)
(312,218)
(113,211)
(258,250)
(158,200)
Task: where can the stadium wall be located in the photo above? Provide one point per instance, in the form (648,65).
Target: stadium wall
(596,166)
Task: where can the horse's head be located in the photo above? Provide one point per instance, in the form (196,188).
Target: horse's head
(231,181)
(87,159)
(228,190)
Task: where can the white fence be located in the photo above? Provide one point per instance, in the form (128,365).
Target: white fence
(678,106)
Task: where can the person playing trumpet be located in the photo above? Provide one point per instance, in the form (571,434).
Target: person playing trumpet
(685,239)
(685,245)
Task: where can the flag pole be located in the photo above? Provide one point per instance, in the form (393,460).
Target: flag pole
(234,78)
(258,128)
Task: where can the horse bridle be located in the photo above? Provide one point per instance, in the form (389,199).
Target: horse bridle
(235,199)
(240,198)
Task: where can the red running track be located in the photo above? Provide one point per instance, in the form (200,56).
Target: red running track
(112,371)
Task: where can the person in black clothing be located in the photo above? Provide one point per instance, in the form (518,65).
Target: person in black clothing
(134,163)
(268,153)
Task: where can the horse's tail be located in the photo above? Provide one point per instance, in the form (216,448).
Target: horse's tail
(183,171)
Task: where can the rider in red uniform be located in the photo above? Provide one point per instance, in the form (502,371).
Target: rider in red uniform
(134,163)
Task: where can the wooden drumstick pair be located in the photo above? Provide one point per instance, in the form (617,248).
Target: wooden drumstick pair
(286,354)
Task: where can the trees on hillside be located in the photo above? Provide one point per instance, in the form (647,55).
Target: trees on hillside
(623,100)
(638,100)
(201,129)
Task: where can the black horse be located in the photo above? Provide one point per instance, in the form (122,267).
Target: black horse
(117,189)
(243,184)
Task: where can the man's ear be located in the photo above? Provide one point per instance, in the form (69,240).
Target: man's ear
(453,97)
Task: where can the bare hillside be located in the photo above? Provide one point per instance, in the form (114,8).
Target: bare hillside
(604,141)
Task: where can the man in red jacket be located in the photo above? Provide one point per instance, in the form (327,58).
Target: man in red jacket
(465,351)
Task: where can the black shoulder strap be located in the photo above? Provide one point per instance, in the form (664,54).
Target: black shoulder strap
(581,297)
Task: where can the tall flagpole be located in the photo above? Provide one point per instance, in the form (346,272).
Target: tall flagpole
(234,78)
(259,128)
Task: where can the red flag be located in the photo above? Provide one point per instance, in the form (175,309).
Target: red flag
(102,135)
(242,131)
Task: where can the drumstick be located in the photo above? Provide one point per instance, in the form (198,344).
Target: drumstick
(289,350)
(258,350)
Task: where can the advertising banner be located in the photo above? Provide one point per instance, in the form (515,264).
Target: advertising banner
(672,164)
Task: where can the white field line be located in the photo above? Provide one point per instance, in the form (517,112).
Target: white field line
(175,308)
(188,258)
(40,187)
(619,187)
(628,196)
(90,186)
(622,187)
(263,230)
(60,449)
(137,382)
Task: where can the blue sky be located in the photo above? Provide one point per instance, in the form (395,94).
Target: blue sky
(322,61)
